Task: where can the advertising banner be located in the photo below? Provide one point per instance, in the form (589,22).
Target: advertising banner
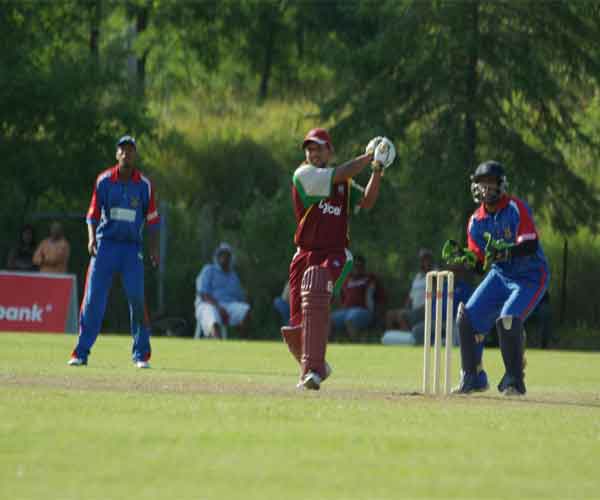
(38,302)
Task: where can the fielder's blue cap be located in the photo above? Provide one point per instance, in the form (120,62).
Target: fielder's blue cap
(126,139)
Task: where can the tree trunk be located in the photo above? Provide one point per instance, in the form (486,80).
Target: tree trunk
(95,20)
(471,88)
(300,39)
(268,62)
(563,284)
(206,231)
(141,25)
(471,98)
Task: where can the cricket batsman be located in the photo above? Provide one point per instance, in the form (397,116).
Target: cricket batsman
(122,205)
(502,241)
(324,197)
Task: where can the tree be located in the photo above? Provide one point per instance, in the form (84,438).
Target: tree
(469,81)
(264,34)
(60,114)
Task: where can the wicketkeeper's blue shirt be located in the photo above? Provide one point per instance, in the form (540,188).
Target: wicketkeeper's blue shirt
(511,288)
(513,223)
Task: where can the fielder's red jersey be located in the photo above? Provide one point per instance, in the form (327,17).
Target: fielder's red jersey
(322,208)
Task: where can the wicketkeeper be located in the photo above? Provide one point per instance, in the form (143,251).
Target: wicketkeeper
(324,197)
(503,241)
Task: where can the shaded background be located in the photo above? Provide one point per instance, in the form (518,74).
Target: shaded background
(220,93)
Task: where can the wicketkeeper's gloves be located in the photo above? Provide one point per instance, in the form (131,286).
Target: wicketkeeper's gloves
(454,254)
(496,251)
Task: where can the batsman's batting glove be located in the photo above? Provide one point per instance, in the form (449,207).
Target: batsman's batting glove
(384,153)
(370,149)
(376,167)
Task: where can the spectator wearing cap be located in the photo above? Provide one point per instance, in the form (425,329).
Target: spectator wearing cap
(413,311)
(122,206)
(52,254)
(220,299)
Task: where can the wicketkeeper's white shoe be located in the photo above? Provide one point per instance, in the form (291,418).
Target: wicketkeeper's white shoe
(76,362)
(142,364)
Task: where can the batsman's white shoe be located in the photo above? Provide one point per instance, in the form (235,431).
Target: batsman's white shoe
(328,372)
(76,362)
(142,364)
(312,381)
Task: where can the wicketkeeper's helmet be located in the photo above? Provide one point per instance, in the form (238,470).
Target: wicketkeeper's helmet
(488,168)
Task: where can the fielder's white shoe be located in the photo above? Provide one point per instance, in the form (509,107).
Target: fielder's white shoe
(142,364)
(76,362)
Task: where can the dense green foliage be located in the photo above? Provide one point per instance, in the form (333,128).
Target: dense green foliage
(219,94)
(224,420)
(476,80)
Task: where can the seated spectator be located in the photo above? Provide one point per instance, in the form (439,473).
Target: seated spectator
(414,307)
(220,299)
(20,257)
(361,297)
(281,303)
(52,254)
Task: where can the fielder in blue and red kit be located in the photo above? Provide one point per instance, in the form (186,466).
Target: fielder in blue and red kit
(502,235)
(122,204)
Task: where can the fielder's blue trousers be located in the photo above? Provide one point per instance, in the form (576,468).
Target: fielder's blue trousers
(125,259)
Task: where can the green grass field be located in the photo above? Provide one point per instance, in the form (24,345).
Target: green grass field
(222,420)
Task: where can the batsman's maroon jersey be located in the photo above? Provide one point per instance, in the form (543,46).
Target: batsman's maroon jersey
(322,208)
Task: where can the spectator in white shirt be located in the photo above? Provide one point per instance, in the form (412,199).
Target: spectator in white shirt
(413,311)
